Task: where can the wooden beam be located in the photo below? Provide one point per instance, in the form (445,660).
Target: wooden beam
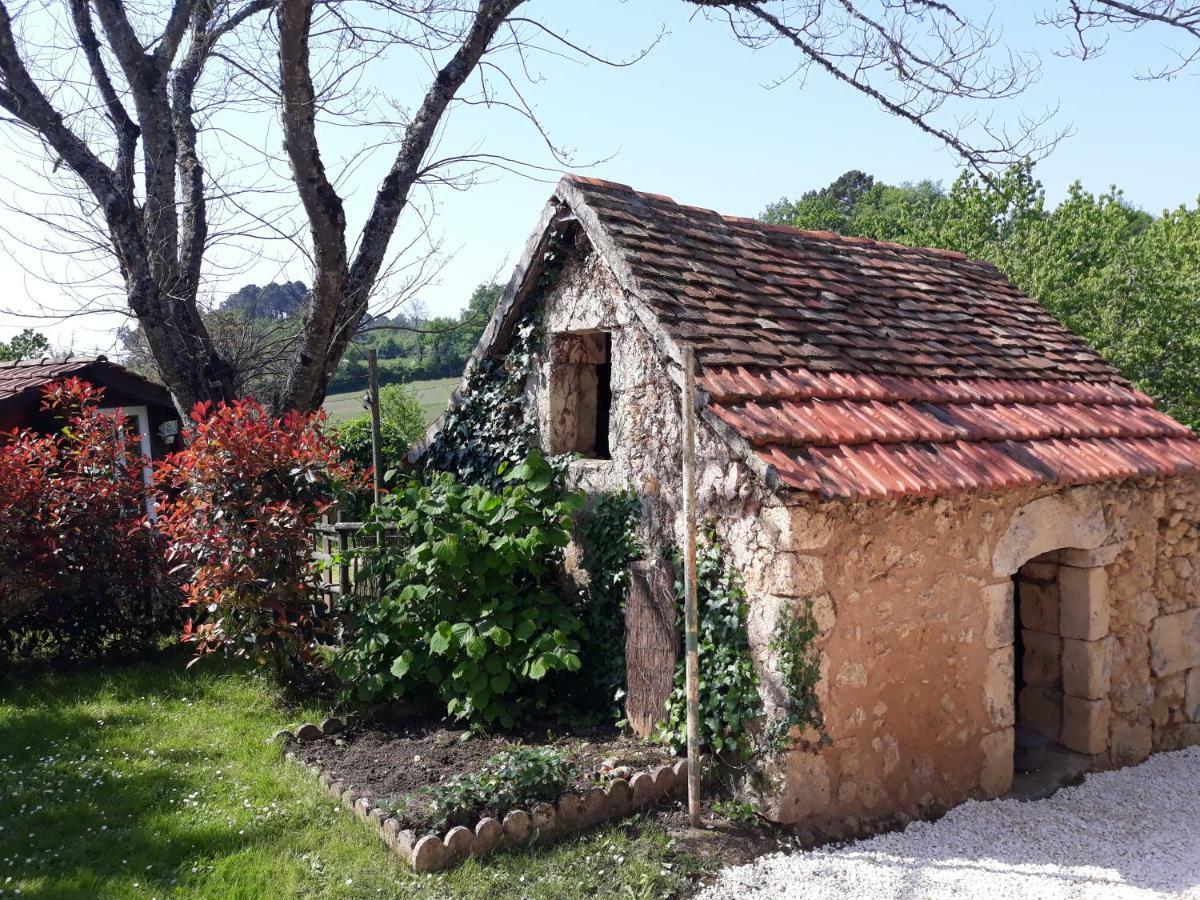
(691,611)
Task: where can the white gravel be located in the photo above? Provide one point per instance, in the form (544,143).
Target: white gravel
(1131,834)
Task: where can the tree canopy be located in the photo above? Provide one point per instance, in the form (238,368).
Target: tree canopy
(26,345)
(1126,281)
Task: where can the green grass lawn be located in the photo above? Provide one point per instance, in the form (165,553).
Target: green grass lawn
(432,394)
(154,781)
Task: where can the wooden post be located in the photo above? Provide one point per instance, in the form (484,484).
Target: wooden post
(691,611)
(343,566)
(376,435)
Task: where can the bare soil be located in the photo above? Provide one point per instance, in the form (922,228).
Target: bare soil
(390,762)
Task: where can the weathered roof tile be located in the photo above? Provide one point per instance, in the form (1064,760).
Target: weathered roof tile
(861,368)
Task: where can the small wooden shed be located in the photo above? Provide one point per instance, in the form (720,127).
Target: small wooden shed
(144,402)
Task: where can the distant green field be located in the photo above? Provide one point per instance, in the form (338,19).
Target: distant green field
(432,394)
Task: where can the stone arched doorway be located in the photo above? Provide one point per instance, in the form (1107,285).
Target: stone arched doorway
(1061,659)
(1048,633)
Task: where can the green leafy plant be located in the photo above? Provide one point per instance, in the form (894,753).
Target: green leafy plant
(508,779)
(464,602)
(608,534)
(402,422)
(798,666)
(729,700)
(738,813)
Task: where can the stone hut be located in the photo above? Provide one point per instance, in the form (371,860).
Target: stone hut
(989,525)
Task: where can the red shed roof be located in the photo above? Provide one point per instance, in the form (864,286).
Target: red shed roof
(28,375)
(859,368)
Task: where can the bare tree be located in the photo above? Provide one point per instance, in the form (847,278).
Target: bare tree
(157,228)
(122,115)
(1091,22)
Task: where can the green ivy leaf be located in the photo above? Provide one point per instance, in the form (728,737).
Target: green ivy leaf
(441,639)
(402,664)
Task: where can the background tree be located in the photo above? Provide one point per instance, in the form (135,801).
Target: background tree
(120,123)
(1126,281)
(29,344)
(254,330)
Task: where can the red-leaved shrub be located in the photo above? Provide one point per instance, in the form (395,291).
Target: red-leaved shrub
(237,505)
(80,573)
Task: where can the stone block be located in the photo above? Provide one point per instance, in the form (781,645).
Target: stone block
(1040,708)
(1070,518)
(1085,725)
(488,835)
(1039,605)
(794,575)
(516,828)
(824,614)
(1175,642)
(308,732)
(995,778)
(805,789)
(1191,703)
(1041,662)
(429,855)
(810,530)
(999,627)
(1086,668)
(1131,741)
(998,687)
(643,789)
(1083,603)
(459,841)
(1085,559)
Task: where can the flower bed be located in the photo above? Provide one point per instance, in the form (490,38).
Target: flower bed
(373,772)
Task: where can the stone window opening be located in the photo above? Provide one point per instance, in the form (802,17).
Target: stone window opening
(1060,663)
(581,393)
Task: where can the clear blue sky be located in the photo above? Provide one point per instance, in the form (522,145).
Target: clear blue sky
(694,120)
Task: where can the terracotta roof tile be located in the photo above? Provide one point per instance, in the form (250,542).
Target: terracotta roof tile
(865,436)
(860,368)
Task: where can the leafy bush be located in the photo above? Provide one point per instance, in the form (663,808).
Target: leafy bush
(401,422)
(610,545)
(729,700)
(466,606)
(238,503)
(509,779)
(80,574)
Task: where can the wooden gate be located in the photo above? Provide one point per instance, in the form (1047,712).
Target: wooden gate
(651,644)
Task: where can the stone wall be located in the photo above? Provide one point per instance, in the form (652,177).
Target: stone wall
(914,598)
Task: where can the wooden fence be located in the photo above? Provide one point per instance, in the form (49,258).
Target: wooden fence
(332,543)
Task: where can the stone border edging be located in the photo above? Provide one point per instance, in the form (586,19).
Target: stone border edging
(570,814)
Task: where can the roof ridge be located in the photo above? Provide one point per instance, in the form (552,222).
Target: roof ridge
(816,234)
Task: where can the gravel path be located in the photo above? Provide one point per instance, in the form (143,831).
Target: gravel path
(1132,834)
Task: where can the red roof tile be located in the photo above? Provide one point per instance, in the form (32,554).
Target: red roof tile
(859,368)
